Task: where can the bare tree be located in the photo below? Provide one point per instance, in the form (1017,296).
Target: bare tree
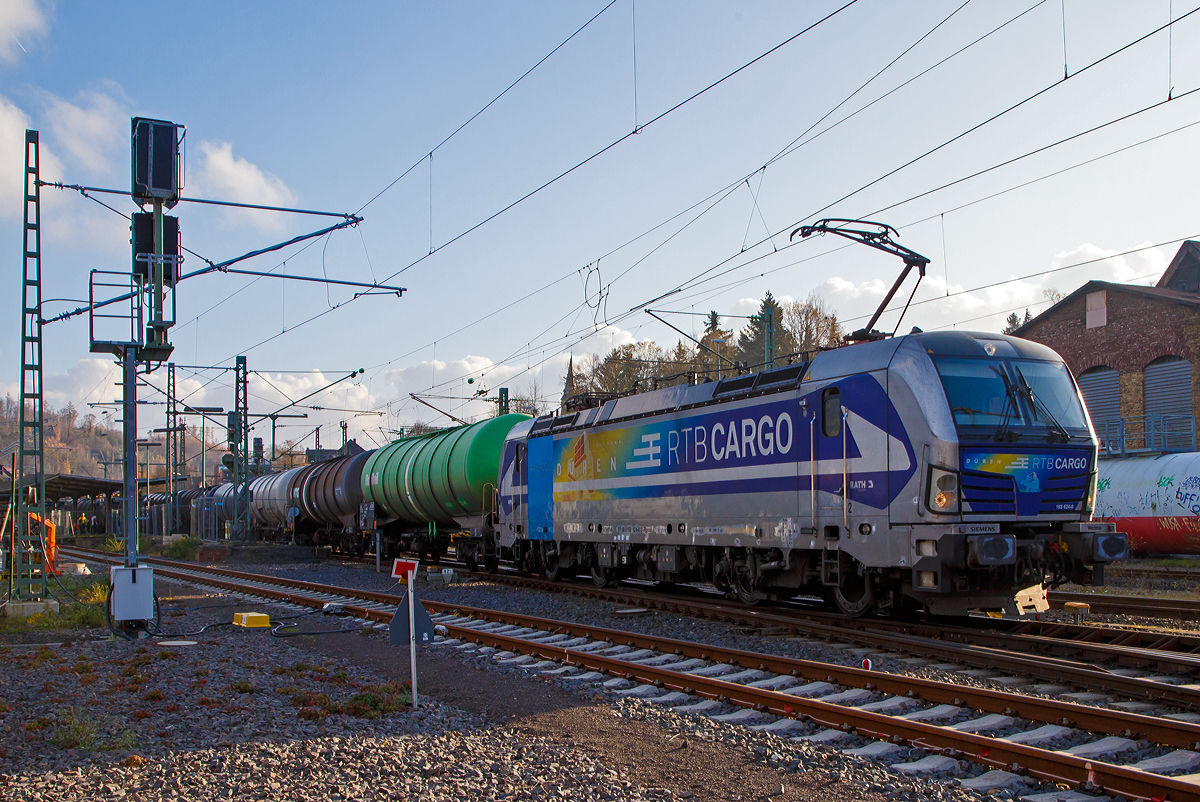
(812,323)
(529,400)
(1053,294)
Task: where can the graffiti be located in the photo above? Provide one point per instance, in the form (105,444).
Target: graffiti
(1104,483)
(1180,524)
(1166,481)
(1189,501)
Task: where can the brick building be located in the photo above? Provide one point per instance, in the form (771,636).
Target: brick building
(1136,353)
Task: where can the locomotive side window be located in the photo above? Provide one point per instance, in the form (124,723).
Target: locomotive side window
(831,412)
(517,460)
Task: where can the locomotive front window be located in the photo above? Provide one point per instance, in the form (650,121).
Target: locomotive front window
(977,391)
(1053,393)
(1011,393)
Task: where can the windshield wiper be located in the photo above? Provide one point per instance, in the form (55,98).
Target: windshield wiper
(1038,405)
(1003,434)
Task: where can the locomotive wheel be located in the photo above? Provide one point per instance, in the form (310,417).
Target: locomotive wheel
(491,564)
(602,577)
(744,589)
(472,563)
(553,570)
(856,596)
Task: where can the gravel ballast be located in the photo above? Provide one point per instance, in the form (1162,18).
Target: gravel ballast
(242,715)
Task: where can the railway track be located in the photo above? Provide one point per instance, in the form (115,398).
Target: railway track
(835,703)
(1141,665)
(1100,603)
(1182,574)
(1125,654)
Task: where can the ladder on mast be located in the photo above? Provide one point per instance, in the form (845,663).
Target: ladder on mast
(29,556)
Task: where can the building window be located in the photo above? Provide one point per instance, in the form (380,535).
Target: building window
(1168,386)
(1097,310)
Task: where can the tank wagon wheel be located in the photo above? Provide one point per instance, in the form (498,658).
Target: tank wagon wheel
(491,564)
(602,577)
(552,567)
(472,563)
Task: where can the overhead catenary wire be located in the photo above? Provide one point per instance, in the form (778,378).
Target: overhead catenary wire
(486,106)
(660,116)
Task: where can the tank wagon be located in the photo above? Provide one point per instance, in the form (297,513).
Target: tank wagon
(948,471)
(440,487)
(1155,499)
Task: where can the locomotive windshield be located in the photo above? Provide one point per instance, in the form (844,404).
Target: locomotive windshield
(1008,394)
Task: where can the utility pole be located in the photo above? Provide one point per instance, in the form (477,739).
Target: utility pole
(203,412)
(237,434)
(769,339)
(28,557)
(173,456)
(275,416)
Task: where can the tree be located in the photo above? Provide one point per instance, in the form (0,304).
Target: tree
(528,400)
(625,368)
(812,324)
(751,344)
(712,323)
(1014,322)
(1053,295)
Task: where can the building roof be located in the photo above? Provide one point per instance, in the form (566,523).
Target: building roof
(64,485)
(1183,274)
(1179,284)
(1159,293)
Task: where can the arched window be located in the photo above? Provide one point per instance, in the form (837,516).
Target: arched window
(1168,386)
(1101,388)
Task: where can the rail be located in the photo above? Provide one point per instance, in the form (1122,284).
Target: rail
(1059,767)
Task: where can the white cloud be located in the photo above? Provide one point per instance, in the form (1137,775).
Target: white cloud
(271,391)
(93,131)
(223,176)
(20,22)
(88,380)
(67,219)
(1148,264)
(13,123)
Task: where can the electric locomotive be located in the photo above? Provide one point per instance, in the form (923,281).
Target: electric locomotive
(943,471)
(948,471)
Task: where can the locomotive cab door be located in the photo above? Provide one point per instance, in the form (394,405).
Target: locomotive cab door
(830,465)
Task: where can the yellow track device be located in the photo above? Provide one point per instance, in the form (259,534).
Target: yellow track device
(251,620)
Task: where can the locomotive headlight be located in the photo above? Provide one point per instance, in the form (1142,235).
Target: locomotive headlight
(1090,504)
(943,491)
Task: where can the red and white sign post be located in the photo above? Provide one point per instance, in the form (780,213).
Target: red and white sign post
(408,569)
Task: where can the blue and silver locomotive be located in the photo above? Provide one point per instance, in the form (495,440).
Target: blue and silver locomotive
(947,472)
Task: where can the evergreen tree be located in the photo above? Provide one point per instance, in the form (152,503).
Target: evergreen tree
(752,339)
(1013,322)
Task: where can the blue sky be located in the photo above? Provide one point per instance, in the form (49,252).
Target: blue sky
(322,105)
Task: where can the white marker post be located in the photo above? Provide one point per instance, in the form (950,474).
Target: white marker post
(408,568)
